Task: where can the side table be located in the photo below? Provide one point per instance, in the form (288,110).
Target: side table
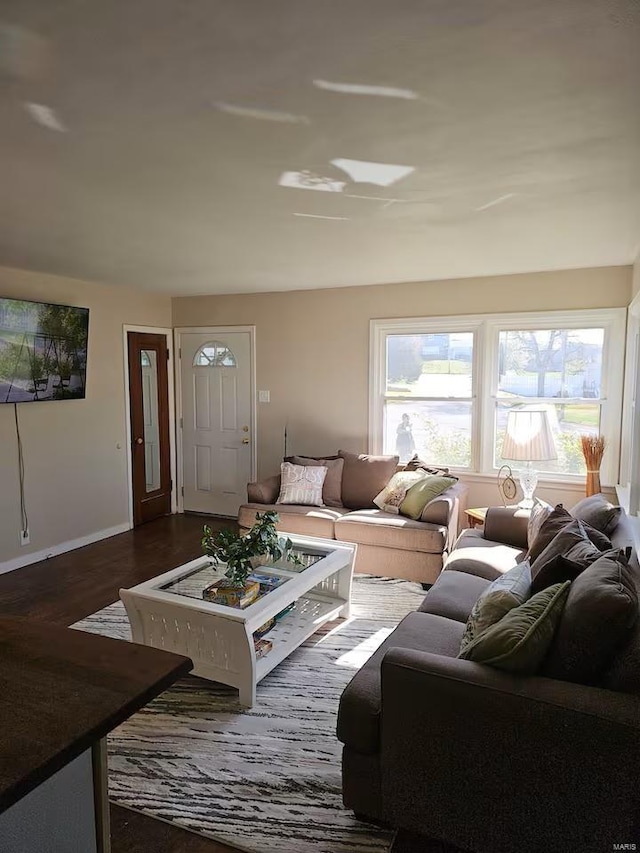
(475,517)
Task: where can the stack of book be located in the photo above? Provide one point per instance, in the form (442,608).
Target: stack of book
(262,647)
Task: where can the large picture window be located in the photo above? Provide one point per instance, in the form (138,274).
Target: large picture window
(443,387)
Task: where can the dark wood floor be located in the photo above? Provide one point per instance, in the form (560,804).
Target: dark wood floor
(70,586)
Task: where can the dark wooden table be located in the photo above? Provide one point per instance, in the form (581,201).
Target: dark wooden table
(62,691)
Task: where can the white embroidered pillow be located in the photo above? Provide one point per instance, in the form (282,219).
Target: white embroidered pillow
(390,498)
(301,484)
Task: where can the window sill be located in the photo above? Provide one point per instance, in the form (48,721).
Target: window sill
(569,485)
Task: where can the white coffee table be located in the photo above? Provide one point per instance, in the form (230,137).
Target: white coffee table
(168,612)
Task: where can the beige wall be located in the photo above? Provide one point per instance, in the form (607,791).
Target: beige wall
(313,346)
(635,287)
(75,475)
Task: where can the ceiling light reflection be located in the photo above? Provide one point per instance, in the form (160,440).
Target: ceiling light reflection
(261,114)
(45,116)
(363,171)
(364,89)
(306,180)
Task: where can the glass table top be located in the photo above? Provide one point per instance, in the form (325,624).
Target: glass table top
(199,582)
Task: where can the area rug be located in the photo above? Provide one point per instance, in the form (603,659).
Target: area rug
(266,779)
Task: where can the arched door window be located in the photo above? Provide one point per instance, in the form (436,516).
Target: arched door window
(214,354)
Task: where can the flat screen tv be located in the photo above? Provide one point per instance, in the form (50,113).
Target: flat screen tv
(43,351)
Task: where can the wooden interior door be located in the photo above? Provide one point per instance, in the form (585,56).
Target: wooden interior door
(149,408)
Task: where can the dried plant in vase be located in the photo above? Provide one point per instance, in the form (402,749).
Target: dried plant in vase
(593,447)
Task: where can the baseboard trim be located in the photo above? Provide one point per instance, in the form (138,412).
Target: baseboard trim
(62,548)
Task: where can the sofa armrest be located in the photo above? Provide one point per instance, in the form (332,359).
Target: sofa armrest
(555,765)
(264,491)
(508,525)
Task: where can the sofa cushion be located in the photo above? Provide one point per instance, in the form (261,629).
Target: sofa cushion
(539,513)
(600,612)
(332,486)
(364,477)
(374,527)
(549,529)
(479,556)
(453,595)
(510,590)
(597,511)
(423,492)
(264,491)
(359,711)
(304,520)
(573,544)
(394,493)
(301,484)
(519,642)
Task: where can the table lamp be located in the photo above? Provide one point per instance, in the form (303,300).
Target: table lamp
(528,439)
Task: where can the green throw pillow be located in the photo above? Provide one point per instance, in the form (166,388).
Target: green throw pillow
(519,642)
(422,492)
(510,590)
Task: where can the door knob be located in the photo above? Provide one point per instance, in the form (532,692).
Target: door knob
(139,440)
(245,441)
(245,429)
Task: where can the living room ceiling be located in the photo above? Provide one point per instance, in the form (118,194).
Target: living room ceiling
(220,146)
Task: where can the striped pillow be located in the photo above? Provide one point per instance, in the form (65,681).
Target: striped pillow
(301,484)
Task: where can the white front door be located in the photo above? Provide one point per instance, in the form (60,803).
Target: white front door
(216,389)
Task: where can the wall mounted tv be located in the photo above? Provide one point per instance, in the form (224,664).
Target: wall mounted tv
(43,351)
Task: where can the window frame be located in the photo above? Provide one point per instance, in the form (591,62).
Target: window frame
(486,330)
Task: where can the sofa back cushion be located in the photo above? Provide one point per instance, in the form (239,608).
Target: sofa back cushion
(597,511)
(332,486)
(601,610)
(549,529)
(567,554)
(364,477)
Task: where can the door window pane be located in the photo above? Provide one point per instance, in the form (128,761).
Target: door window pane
(550,363)
(434,365)
(439,432)
(214,354)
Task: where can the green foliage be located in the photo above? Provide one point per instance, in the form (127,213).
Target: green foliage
(446,448)
(236,551)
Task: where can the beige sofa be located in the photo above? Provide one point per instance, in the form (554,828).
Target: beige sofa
(388,545)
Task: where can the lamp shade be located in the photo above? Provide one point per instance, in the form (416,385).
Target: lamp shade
(528,437)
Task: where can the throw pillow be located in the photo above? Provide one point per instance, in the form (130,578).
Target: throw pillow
(557,570)
(601,610)
(510,590)
(572,543)
(415,463)
(539,514)
(393,494)
(426,489)
(558,518)
(301,484)
(519,642)
(364,477)
(332,488)
(598,512)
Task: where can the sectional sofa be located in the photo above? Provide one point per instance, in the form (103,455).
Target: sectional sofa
(488,760)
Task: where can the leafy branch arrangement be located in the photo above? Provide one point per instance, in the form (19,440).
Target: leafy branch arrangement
(237,551)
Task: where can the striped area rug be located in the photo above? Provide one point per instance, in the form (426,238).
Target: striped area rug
(265,779)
